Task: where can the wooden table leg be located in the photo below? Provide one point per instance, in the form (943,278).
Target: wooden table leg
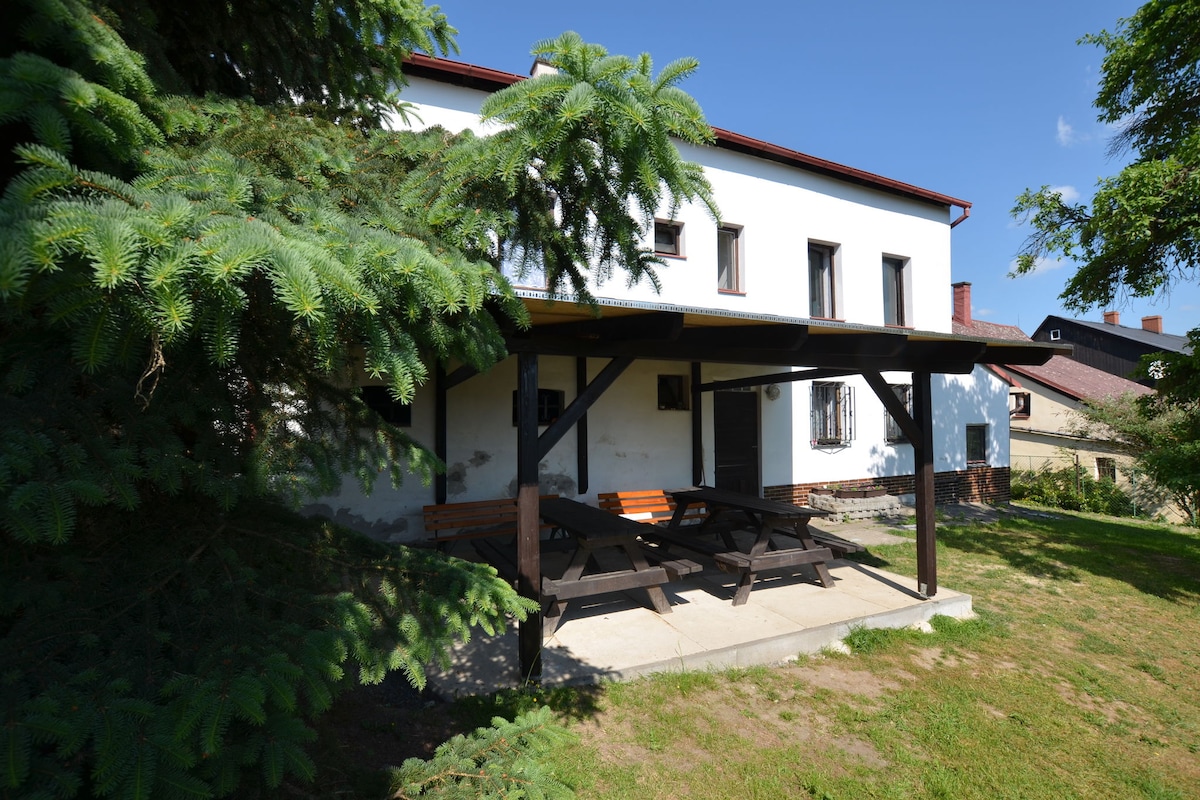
(657,598)
(810,544)
(555,608)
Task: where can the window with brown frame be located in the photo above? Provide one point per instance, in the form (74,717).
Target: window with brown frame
(822,301)
(729,259)
(668,238)
(894,297)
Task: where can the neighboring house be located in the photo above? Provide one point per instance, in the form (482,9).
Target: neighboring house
(1044,409)
(1110,346)
(756,367)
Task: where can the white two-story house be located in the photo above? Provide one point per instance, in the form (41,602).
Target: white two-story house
(809,257)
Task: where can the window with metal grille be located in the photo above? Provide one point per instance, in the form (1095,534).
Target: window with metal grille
(1106,469)
(832,414)
(903,392)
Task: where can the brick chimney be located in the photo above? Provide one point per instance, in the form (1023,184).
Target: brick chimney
(1152,324)
(1112,317)
(962,302)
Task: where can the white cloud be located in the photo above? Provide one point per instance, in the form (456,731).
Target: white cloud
(1040,266)
(1066,134)
(982,312)
(1069,194)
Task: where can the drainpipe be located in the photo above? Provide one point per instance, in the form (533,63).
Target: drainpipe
(962,217)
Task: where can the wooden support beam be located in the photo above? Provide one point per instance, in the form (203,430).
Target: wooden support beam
(923,463)
(529,557)
(581,429)
(579,406)
(893,405)
(776,377)
(440,424)
(697,428)
(460,375)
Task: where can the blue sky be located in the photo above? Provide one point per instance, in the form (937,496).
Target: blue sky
(976,101)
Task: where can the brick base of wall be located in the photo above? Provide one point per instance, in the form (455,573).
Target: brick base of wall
(975,485)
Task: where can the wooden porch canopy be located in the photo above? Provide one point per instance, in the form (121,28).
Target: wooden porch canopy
(788,349)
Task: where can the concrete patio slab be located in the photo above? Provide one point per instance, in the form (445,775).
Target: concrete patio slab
(616,637)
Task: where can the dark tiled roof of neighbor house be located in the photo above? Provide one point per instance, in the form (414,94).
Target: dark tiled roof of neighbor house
(1166,342)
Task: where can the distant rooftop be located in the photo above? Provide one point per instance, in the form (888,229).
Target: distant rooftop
(1152,339)
(1079,380)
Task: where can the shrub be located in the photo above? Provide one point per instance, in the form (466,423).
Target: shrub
(1072,489)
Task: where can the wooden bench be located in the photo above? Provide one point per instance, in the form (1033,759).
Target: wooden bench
(839,546)
(450,522)
(748,566)
(656,508)
(649,505)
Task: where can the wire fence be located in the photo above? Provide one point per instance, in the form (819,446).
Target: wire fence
(1084,482)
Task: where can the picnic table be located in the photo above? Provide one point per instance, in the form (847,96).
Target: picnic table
(763,517)
(594,530)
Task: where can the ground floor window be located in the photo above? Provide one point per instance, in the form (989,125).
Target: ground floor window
(977,444)
(672,394)
(1106,469)
(550,403)
(379,399)
(832,414)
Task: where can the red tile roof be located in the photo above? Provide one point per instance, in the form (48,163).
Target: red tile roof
(1079,380)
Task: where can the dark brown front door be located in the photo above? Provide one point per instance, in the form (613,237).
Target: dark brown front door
(735,441)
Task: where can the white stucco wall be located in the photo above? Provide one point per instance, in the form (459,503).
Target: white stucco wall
(779,209)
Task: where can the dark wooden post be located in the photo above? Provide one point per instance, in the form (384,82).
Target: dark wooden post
(440,422)
(581,428)
(923,466)
(697,428)
(529,556)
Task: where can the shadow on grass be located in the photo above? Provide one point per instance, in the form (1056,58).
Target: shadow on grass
(1156,560)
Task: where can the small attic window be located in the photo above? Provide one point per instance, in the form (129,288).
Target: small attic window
(1055,335)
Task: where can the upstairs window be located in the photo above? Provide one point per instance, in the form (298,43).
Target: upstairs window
(668,238)
(894,295)
(977,445)
(821,282)
(832,414)
(729,262)
(903,392)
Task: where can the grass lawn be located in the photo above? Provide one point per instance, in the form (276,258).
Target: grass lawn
(1079,678)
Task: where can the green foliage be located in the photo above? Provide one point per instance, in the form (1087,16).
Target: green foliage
(1141,231)
(182,653)
(1161,434)
(500,761)
(205,242)
(581,148)
(1071,488)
